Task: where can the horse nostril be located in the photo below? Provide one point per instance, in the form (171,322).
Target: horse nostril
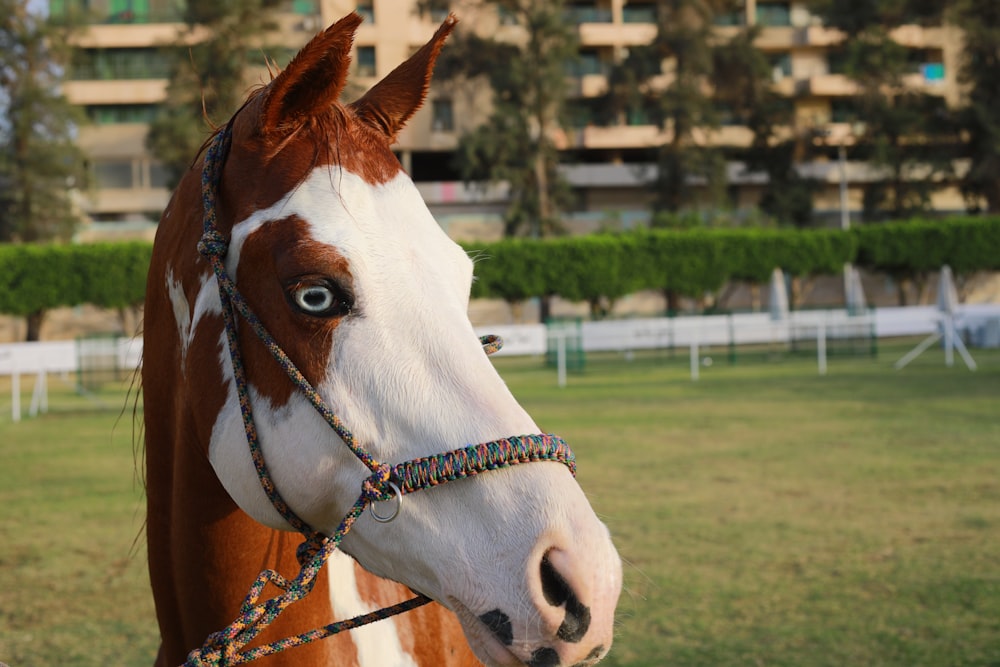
(499,624)
(554,587)
(544,657)
(558,592)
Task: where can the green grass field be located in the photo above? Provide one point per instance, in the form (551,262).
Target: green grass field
(767,515)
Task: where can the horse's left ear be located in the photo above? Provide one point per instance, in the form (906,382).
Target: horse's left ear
(394,99)
(313,80)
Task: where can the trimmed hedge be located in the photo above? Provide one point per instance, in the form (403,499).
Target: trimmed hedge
(921,246)
(586,268)
(689,263)
(35,278)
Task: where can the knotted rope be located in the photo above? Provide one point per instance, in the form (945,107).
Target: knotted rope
(385,481)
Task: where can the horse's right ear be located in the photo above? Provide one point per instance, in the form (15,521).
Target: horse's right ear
(313,80)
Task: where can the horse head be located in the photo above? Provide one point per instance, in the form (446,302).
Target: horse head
(335,251)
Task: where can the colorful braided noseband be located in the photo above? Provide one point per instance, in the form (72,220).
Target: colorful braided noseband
(386,482)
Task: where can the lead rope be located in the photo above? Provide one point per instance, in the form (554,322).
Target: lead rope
(385,482)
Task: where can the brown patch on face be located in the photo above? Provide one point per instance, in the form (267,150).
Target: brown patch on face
(273,261)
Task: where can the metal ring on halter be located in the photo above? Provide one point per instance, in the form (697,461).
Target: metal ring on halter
(386,518)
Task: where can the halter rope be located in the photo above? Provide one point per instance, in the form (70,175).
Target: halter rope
(384,483)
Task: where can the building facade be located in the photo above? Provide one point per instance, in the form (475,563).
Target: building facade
(121,73)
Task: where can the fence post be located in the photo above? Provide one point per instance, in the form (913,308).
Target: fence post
(821,346)
(694,360)
(732,340)
(40,396)
(561,357)
(15,391)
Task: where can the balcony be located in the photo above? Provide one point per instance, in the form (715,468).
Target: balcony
(134,36)
(815,35)
(113,141)
(830,85)
(621,136)
(785,86)
(727,135)
(127,200)
(588,85)
(136,91)
(776,38)
(920,81)
(651,136)
(615,34)
(919,37)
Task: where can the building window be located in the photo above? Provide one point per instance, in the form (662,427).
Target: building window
(774,14)
(837,61)
(932,72)
(929,62)
(781,65)
(159,177)
(636,13)
(587,61)
(442,116)
(366,8)
(639,114)
(586,12)
(844,110)
(117,11)
(128,11)
(731,18)
(108,114)
(728,117)
(281,55)
(585,112)
(305,7)
(110,64)
(366,61)
(506,16)
(114,174)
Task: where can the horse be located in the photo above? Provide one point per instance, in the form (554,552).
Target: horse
(328,242)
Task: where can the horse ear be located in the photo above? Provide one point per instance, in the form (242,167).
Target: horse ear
(394,99)
(313,80)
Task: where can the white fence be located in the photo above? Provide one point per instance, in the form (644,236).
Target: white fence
(693,332)
(60,357)
(742,328)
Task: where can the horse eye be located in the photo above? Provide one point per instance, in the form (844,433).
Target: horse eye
(320,300)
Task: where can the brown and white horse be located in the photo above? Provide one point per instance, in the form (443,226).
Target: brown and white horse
(333,248)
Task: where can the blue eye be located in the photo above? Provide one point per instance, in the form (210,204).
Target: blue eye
(321,300)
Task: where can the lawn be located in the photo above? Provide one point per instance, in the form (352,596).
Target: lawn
(767,515)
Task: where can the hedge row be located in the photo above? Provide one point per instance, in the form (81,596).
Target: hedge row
(588,268)
(920,246)
(691,263)
(35,278)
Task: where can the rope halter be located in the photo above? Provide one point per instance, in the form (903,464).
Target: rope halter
(385,482)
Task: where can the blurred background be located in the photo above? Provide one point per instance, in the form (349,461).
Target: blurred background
(744,255)
(545,119)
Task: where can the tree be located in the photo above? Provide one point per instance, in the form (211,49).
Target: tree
(516,144)
(683,107)
(207,84)
(40,163)
(980,72)
(907,132)
(742,77)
